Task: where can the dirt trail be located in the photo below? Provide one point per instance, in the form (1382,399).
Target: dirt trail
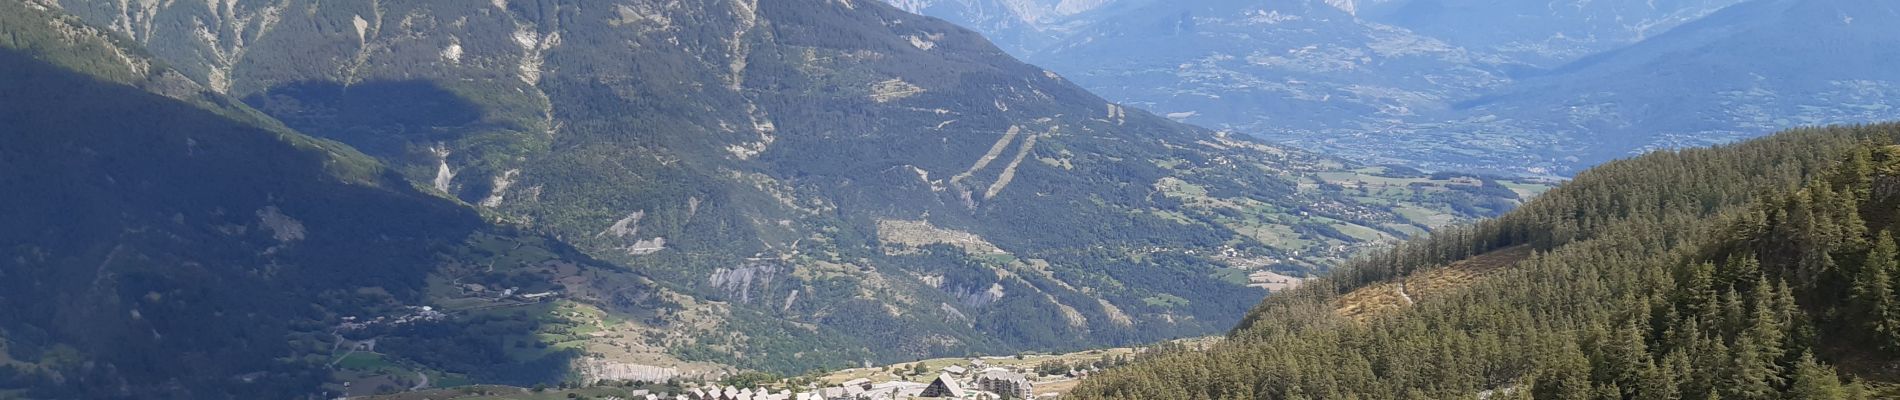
(1403,295)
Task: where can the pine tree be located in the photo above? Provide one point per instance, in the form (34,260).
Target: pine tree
(1741,271)
(1798,334)
(1872,295)
(1624,358)
(1813,381)
(1564,374)
(1710,365)
(1768,332)
(1676,372)
(1857,391)
(1799,236)
(1849,230)
(1751,371)
(1735,315)
(1858,174)
(1609,391)
(1656,383)
(1698,292)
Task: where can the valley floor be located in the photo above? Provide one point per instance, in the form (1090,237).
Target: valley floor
(1050,376)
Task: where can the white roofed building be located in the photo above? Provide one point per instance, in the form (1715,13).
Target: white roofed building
(944,387)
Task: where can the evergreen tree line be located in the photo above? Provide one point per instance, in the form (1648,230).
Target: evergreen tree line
(1760,270)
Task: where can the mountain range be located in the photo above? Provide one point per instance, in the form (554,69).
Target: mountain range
(299,197)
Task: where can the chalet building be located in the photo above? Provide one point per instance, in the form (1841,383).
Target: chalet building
(944,387)
(1004,382)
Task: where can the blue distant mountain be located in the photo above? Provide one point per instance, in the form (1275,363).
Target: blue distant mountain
(1540,33)
(1750,69)
(1505,86)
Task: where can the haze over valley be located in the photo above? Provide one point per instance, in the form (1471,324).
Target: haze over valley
(1512,87)
(974,199)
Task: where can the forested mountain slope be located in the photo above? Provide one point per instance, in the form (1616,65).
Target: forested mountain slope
(886,186)
(1753,271)
(165,241)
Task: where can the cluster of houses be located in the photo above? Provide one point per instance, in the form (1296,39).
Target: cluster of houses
(414,314)
(953,383)
(478,290)
(427,313)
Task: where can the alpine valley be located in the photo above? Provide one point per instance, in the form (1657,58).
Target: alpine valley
(288,198)
(870,200)
(1535,88)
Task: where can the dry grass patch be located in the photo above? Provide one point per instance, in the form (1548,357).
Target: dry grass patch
(1426,284)
(1438,282)
(1371,300)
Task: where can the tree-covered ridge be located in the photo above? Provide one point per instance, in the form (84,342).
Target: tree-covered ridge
(1662,187)
(1752,271)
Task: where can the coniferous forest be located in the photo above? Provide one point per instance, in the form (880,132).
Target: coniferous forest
(1760,270)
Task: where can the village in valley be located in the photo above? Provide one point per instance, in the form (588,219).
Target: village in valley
(954,382)
(1019,377)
